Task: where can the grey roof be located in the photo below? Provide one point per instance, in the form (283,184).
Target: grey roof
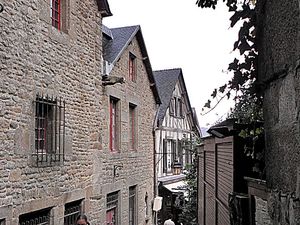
(118,40)
(165,81)
(106,31)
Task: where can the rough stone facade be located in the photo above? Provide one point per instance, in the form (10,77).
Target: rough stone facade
(137,164)
(261,212)
(279,71)
(36,58)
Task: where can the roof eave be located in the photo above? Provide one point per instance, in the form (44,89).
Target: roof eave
(148,66)
(103,8)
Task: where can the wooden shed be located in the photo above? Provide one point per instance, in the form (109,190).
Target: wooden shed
(222,166)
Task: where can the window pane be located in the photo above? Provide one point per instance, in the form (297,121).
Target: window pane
(72,210)
(112,208)
(49,129)
(113,125)
(132,127)
(41,217)
(132,205)
(132,67)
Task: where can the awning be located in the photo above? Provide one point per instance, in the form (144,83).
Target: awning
(176,187)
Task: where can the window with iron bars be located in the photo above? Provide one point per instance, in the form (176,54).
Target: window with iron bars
(72,211)
(41,217)
(49,130)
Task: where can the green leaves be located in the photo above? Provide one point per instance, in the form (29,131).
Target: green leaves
(214,94)
(207,3)
(207,104)
(244,68)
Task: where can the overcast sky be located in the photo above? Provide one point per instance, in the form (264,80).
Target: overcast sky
(178,34)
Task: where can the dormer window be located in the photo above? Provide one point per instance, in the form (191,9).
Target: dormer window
(132,67)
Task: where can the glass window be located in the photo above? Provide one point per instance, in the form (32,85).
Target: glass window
(132,67)
(132,206)
(112,202)
(49,129)
(72,211)
(132,127)
(56,13)
(41,217)
(114,124)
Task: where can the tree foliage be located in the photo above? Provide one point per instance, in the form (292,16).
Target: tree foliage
(189,209)
(244,68)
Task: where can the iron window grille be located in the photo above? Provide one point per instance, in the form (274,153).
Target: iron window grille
(56,13)
(41,217)
(72,211)
(112,202)
(132,205)
(49,130)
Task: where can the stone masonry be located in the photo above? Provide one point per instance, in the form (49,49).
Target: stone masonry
(279,71)
(137,165)
(36,58)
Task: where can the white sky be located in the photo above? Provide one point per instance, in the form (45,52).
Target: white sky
(178,34)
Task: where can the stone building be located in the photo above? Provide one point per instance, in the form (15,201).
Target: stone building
(130,110)
(56,125)
(279,72)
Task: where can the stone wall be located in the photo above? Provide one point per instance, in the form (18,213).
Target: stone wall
(36,58)
(261,212)
(279,47)
(137,164)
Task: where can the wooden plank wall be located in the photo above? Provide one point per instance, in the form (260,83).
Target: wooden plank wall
(215,180)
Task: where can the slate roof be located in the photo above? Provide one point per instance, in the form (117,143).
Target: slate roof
(116,40)
(165,81)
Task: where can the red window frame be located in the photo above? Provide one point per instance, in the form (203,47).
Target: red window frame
(112,202)
(132,67)
(56,13)
(132,126)
(113,124)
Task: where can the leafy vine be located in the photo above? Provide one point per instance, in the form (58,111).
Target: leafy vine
(244,68)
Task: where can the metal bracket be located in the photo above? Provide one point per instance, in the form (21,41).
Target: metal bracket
(116,169)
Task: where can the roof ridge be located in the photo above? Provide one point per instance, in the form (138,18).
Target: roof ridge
(125,27)
(168,69)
